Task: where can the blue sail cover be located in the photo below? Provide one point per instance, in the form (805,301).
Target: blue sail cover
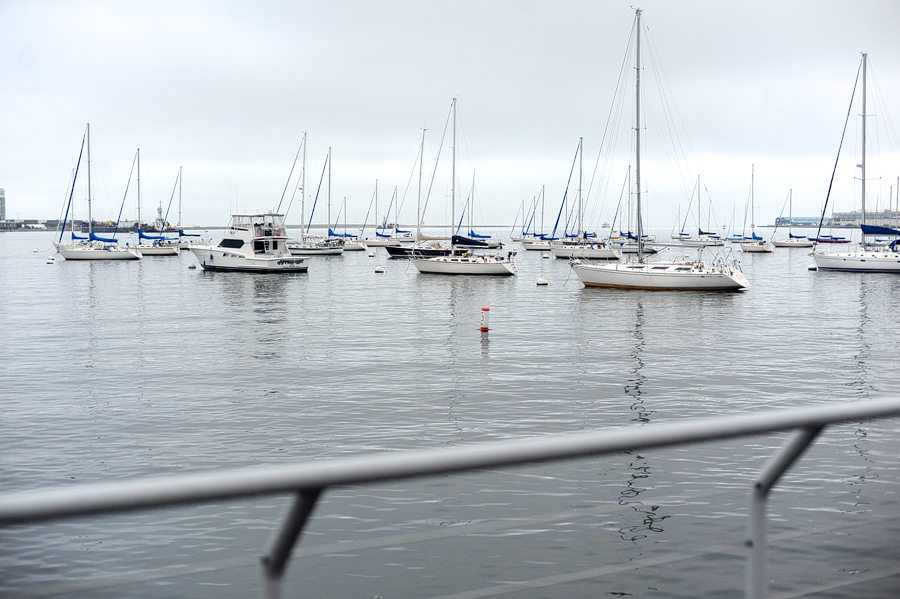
(103,239)
(755,236)
(377,234)
(792,236)
(74,236)
(475,235)
(141,235)
(873,230)
(460,240)
(707,233)
(183,234)
(332,233)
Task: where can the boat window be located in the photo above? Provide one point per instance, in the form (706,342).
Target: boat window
(683,268)
(259,245)
(231,243)
(660,267)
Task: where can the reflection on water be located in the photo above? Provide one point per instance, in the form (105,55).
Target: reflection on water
(262,296)
(485,344)
(638,469)
(637,378)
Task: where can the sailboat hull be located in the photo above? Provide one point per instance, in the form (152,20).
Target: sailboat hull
(793,243)
(593,251)
(860,261)
(91,252)
(159,250)
(662,276)
(464,265)
(758,247)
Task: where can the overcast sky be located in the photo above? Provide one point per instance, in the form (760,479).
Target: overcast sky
(227,90)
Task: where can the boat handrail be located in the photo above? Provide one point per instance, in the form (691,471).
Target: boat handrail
(308,480)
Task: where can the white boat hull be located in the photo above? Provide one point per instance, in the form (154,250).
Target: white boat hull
(593,251)
(314,250)
(660,276)
(758,247)
(159,250)
(465,265)
(700,242)
(96,252)
(793,243)
(355,246)
(859,261)
(379,242)
(215,258)
(535,244)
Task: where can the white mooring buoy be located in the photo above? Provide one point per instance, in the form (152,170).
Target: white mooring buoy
(543,281)
(546,256)
(485,319)
(379,269)
(371,254)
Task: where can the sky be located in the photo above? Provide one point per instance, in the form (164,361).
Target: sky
(226,91)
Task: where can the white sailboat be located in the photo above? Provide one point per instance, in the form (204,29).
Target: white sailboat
(314,245)
(755,244)
(792,241)
(153,245)
(584,246)
(462,261)
(865,258)
(703,238)
(721,275)
(536,242)
(92,247)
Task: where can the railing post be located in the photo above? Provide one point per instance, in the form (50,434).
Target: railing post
(772,471)
(283,540)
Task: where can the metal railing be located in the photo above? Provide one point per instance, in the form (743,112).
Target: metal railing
(308,480)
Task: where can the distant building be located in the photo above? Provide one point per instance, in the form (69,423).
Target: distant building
(882,218)
(2,204)
(801,221)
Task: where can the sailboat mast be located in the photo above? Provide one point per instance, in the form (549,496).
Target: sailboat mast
(863,165)
(453,175)
(419,192)
(329,186)
(790,212)
(179,197)
(303,189)
(637,138)
(472,205)
(542,209)
(90,214)
(580,173)
(139,187)
(752,199)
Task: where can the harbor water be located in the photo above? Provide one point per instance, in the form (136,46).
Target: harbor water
(119,370)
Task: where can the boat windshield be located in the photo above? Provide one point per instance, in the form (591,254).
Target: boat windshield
(262,225)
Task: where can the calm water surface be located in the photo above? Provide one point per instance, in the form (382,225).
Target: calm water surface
(121,370)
